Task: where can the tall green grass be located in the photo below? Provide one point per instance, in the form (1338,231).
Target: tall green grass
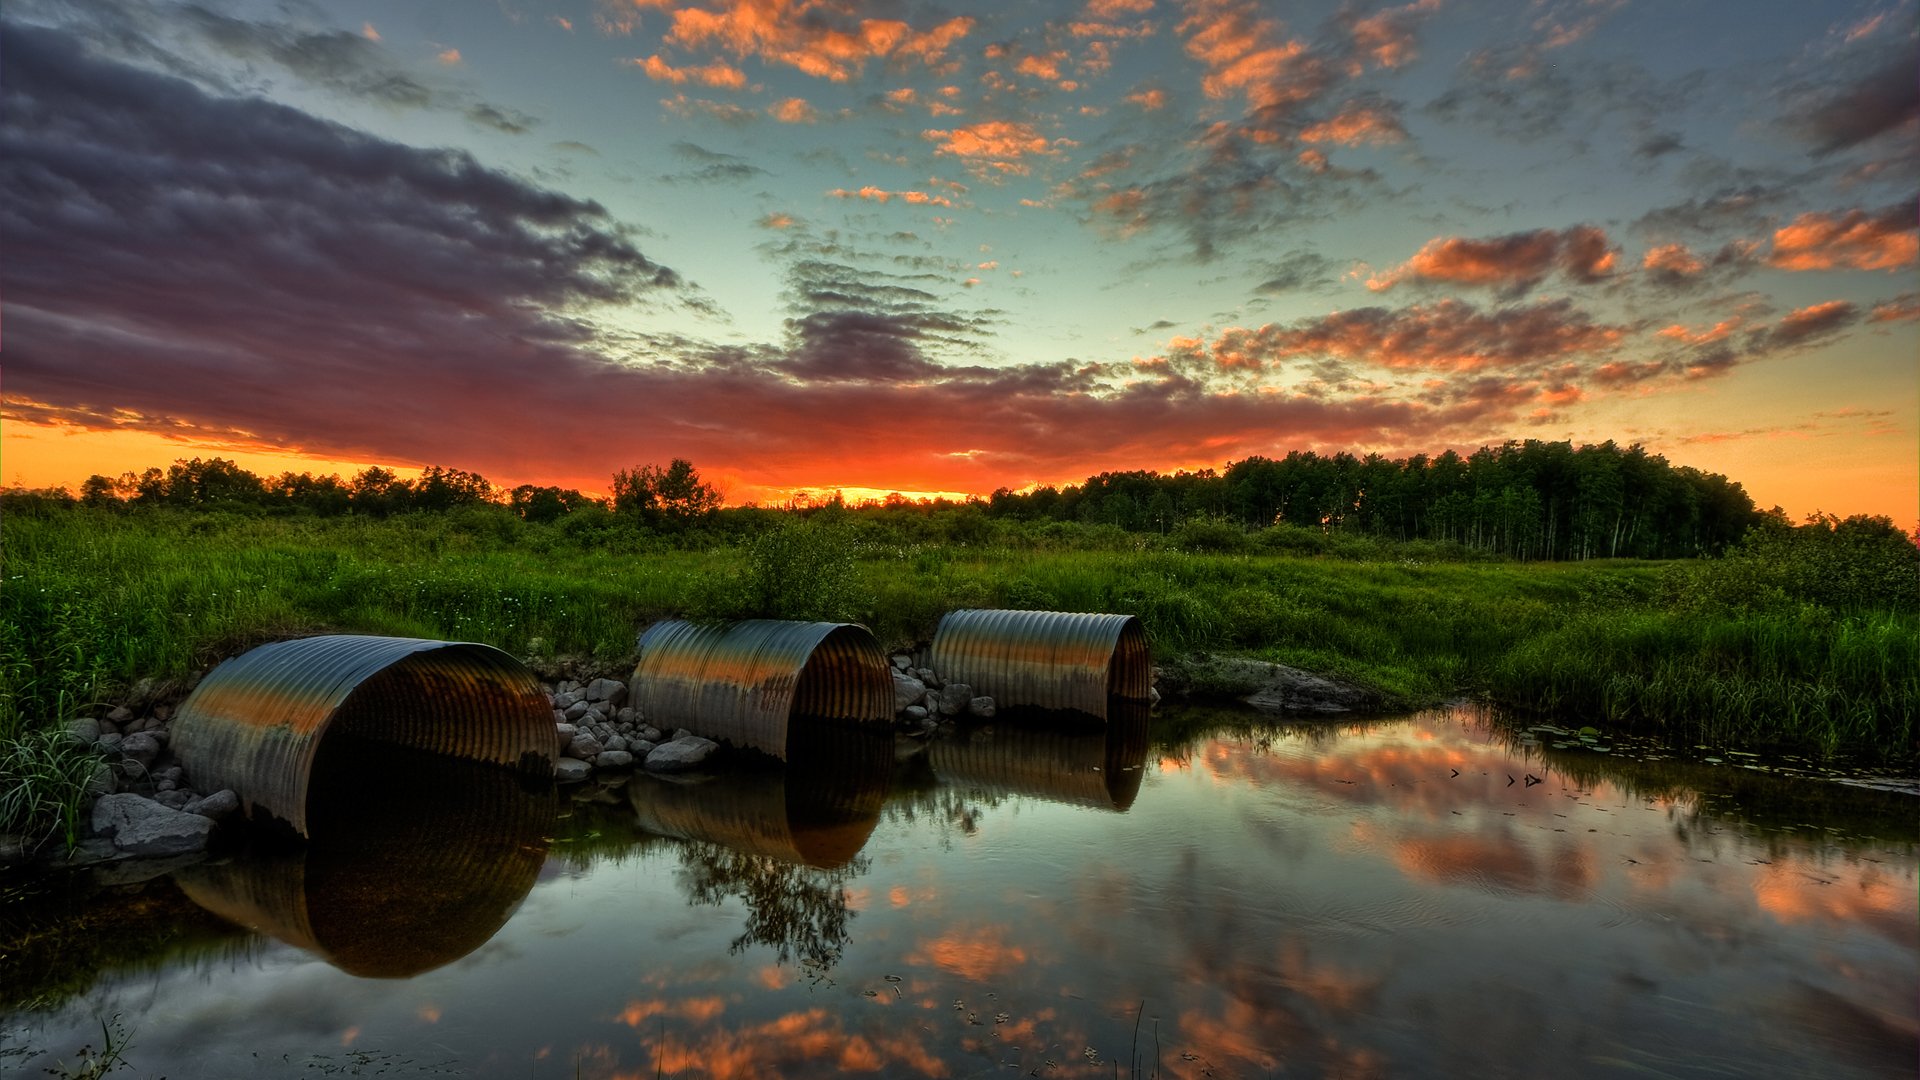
(93,600)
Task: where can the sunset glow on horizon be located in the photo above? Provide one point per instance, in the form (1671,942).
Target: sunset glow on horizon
(832,245)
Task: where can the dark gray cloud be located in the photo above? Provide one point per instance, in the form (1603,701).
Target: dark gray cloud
(1296,271)
(1845,114)
(188,39)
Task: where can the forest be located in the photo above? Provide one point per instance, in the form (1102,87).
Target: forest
(1524,500)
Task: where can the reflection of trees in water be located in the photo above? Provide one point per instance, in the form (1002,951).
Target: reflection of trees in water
(799,911)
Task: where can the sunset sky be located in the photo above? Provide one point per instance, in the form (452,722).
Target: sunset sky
(816,244)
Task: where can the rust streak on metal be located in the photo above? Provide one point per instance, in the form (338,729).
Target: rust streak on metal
(255,723)
(742,683)
(1045,659)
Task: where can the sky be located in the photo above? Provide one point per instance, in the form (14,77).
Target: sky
(898,246)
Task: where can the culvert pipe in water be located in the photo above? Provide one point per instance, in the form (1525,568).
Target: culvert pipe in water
(1045,659)
(745,683)
(257,722)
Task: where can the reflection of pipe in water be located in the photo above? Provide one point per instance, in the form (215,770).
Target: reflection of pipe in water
(1041,758)
(746,683)
(413,860)
(817,810)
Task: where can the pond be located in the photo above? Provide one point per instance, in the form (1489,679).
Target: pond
(1213,895)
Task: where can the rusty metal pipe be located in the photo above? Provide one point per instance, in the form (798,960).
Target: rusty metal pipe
(1045,659)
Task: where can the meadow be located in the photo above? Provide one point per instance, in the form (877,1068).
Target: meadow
(1806,638)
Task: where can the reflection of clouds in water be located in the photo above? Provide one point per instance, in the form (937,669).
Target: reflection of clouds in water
(976,953)
(807,1040)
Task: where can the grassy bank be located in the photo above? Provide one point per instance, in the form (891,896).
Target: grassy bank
(95,599)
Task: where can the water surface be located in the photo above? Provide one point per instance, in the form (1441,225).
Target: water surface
(1419,896)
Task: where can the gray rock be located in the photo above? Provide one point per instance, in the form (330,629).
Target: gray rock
(927,676)
(593,718)
(141,747)
(120,715)
(565,699)
(626,715)
(613,759)
(568,686)
(684,752)
(649,733)
(902,662)
(163,713)
(1275,687)
(981,707)
(576,710)
(140,826)
(954,698)
(611,691)
(682,733)
(110,741)
(13,849)
(906,690)
(165,785)
(640,748)
(617,742)
(567,770)
(915,713)
(1153,695)
(559,716)
(215,806)
(172,772)
(173,798)
(84,730)
(103,781)
(584,746)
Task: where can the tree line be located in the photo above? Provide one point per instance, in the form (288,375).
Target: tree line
(1529,500)
(1526,500)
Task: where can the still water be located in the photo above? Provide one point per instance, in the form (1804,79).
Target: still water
(1432,895)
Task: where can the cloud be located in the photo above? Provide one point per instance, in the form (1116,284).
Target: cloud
(793,111)
(1512,264)
(449,56)
(993,146)
(198,292)
(1855,240)
(1294,272)
(721,75)
(881,195)
(1447,336)
(505,121)
(1742,209)
(1810,324)
(1359,122)
(1884,100)
(726,112)
(819,39)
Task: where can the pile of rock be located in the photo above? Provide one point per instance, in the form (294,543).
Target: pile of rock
(922,701)
(597,731)
(146,805)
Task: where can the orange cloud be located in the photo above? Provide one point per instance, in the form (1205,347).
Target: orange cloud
(1041,67)
(449,57)
(793,111)
(1450,335)
(1151,99)
(1513,263)
(1673,259)
(1357,123)
(1854,241)
(1243,53)
(992,145)
(810,36)
(881,195)
(716,74)
(1387,37)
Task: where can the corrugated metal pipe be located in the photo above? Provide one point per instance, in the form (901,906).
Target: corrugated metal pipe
(1045,659)
(256,722)
(746,682)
